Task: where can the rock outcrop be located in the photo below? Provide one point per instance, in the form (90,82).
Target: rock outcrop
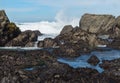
(98,24)
(93,30)
(47,43)
(75,41)
(37,32)
(115,43)
(8,30)
(3,19)
(22,39)
(66,29)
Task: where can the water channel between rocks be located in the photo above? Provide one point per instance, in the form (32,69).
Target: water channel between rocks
(81,62)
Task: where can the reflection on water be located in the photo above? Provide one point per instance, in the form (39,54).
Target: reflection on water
(81,62)
(29,69)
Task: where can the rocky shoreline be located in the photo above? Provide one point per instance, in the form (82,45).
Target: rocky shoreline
(41,65)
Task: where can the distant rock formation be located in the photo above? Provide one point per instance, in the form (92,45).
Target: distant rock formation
(11,35)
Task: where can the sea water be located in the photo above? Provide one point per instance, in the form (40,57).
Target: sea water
(81,62)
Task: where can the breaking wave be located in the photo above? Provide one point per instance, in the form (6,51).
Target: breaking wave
(53,27)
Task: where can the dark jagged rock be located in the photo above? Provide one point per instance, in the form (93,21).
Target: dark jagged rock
(67,50)
(115,31)
(72,49)
(37,32)
(76,41)
(47,43)
(90,28)
(115,43)
(30,44)
(8,30)
(23,39)
(93,60)
(46,69)
(112,69)
(3,19)
(99,24)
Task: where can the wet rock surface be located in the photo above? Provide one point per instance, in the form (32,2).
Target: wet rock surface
(23,38)
(112,69)
(47,43)
(8,30)
(14,67)
(115,44)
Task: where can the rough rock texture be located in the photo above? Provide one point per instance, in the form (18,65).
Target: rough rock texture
(112,69)
(23,39)
(117,21)
(72,49)
(3,19)
(47,43)
(76,41)
(8,30)
(115,43)
(115,31)
(99,24)
(14,68)
(93,60)
(67,50)
(37,32)
(30,44)
(91,28)
(66,29)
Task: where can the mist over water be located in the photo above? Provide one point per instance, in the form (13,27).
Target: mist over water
(53,27)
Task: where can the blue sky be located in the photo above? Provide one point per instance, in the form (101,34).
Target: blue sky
(36,10)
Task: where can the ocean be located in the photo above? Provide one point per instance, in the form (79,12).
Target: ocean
(49,28)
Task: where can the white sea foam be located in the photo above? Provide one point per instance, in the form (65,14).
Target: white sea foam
(48,27)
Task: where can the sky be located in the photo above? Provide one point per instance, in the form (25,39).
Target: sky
(37,10)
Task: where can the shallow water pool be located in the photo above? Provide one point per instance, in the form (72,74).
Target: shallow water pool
(81,62)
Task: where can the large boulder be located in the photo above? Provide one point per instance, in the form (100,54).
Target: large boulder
(23,39)
(8,30)
(99,24)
